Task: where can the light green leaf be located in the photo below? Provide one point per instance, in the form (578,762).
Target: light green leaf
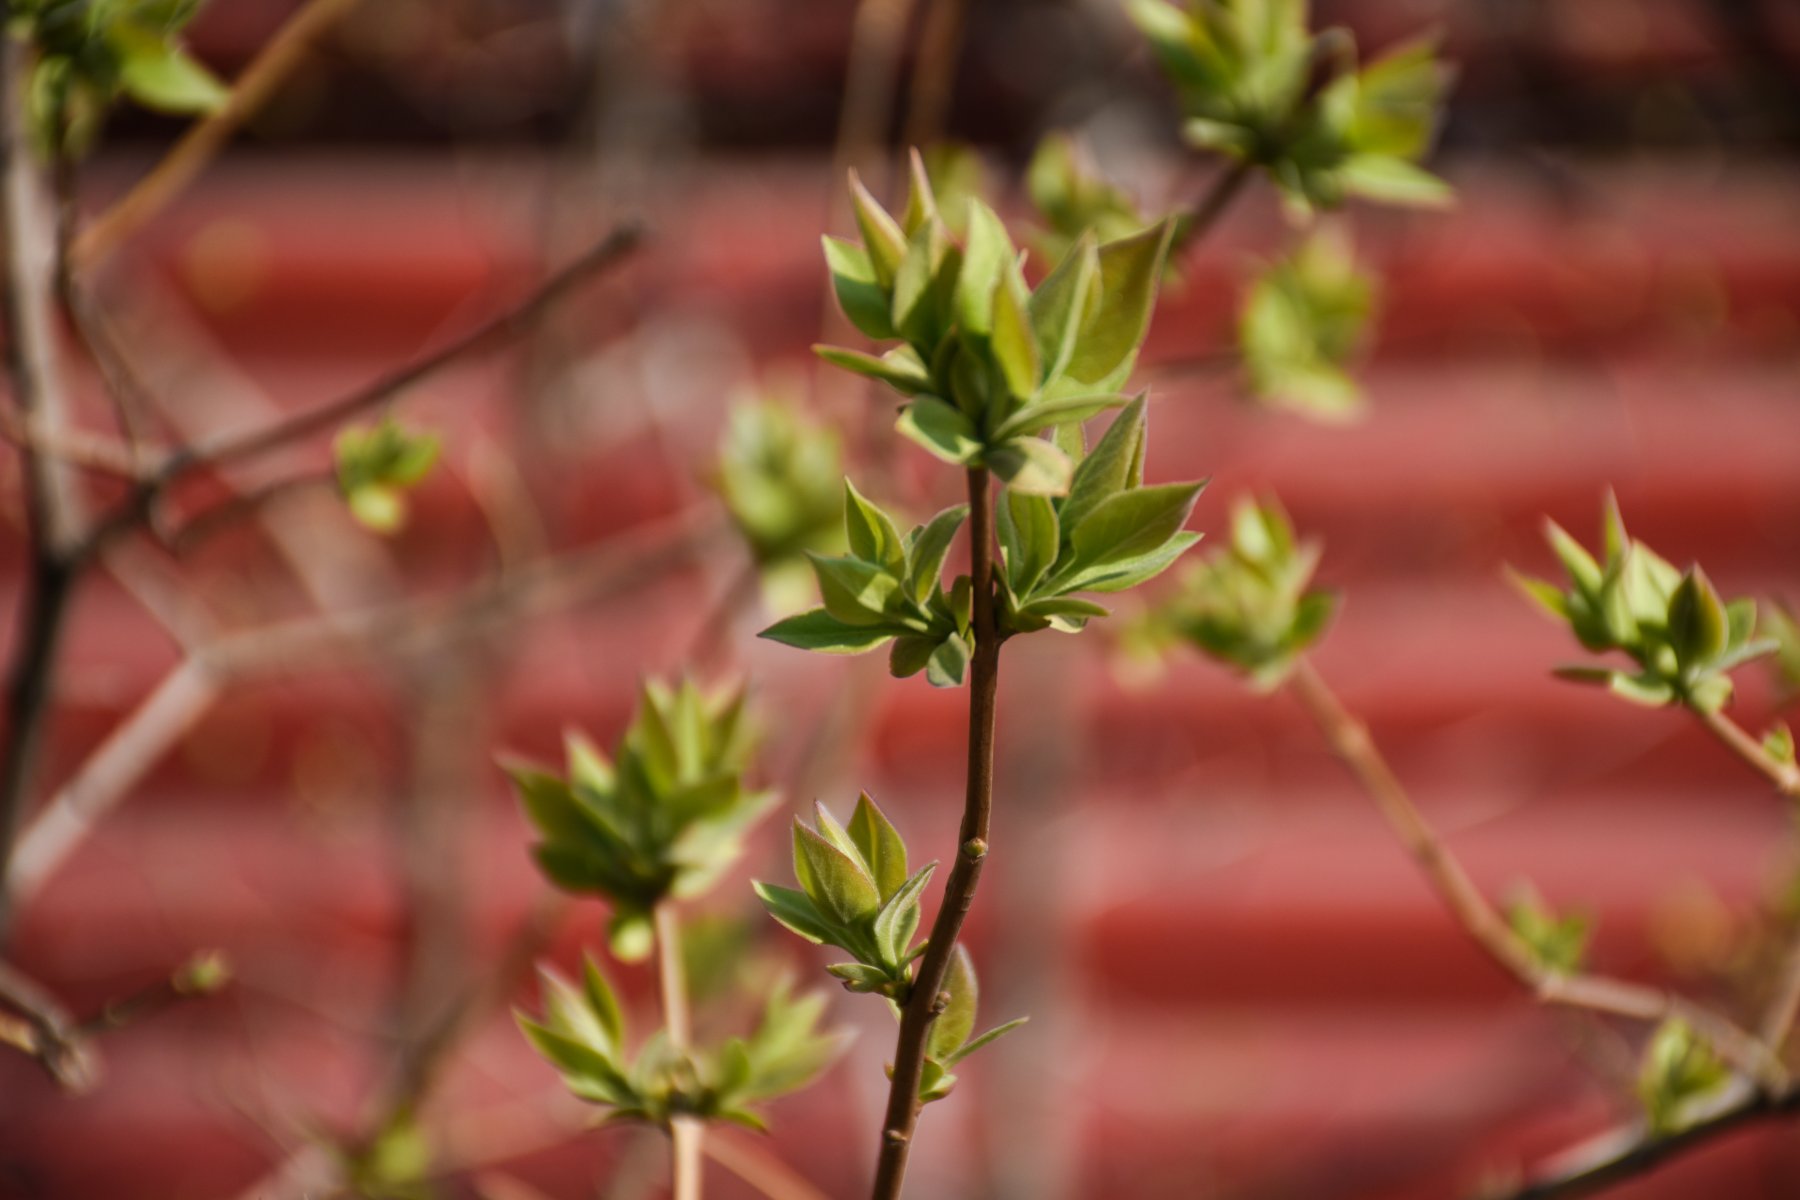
(1032,465)
(871,532)
(837,885)
(1133,523)
(954,1025)
(941,429)
(859,292)
(929,549)
(1130,273)
(1107,468)
(797,913)
(948,663)
(855,592)
(817,630)
(883,241)
(879,844)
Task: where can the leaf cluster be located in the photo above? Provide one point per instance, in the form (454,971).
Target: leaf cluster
(1679,1073)
(778,476)
(1072,198)
(582,1033)
(1682,638)
(90,52)
(1304,322)
(1250,605)
(986,363)
(1557,941)
(664,818)
(1109,533)
(377,465)
(1245,72)
(856,894)
(888,589)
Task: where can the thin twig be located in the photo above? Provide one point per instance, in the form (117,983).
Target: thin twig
(1785,776)
(760,1169)
(687,1135)
(89,452)
(316,643)
(222,516)
(28,247)
(496,331)
(1632,1151)
(1225,188)
(934,74)
(1349,739)
(271,68)
(871,76)
(926,1001)
(44,1031)
(134,746)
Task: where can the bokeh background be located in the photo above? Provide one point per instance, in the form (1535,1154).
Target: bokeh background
(1240,987)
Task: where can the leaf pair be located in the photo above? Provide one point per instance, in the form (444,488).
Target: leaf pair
(377,465)
(950,1040)
(888,589)
(1682,637)
(987,363)
(1250,605)
(856,894)
(1243,70)
(582,1034)
(1109,533)
(665,818)
(1680,1072)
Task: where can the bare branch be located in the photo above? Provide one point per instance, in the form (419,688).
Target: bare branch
(496,331)
(271,68)
(1349,740)
(1785,776)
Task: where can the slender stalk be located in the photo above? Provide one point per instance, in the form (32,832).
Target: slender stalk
(764,1172)
(504,327)
(1225,188)
(271,68)
(934,78)
(687,1135)
(1785,776)
(1623,1154)
(1349,739)
(27,247)
(1784,1003)
(926,999)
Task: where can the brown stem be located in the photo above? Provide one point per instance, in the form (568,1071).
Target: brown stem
(934,78)
(44,1030)
(1785,776)
(925,1001)
(714,634)
(871,74)
(761,1170)
(1349,739)
(222,516)
(1225,188)
(496,331)
(1628,1153)
(27,248)
(686,1134)
(272,67)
